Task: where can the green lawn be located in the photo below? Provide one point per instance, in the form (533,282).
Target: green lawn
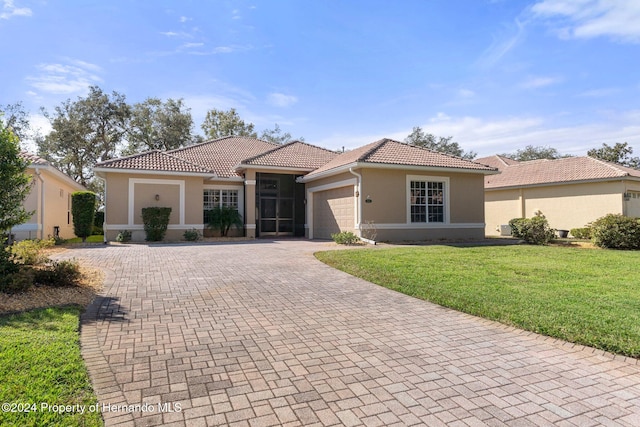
(586,296)
(95,238)
(40,364)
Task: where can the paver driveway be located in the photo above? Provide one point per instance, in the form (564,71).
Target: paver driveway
(260,333)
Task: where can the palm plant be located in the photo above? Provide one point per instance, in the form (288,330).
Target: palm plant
(223,218)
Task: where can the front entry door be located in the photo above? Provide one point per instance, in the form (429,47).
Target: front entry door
(276,210)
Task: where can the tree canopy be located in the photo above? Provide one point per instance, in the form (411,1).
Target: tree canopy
(218,124)
(14,182)
(157,125)
(619,153)
(277,136)
(531,152)
(85,132)
(440,144)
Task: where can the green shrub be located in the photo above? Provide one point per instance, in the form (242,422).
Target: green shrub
(123,236)
(192,235)
(345,238)
(58,274)
(30,252)
(534,231)
(615,231)
(19,281)
(156,221)
(83,209)
(581,233)
(223,218)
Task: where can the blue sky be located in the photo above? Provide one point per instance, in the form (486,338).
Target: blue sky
(497,75)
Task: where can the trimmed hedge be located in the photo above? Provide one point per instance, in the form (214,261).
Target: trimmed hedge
(83,209)
(534,231)
(156,221)
(581,233)
(615,231)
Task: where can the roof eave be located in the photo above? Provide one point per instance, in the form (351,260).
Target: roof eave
(241,167)
(558,183)
(394,166)
(100,171)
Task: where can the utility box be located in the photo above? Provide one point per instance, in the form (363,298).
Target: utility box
(505,230)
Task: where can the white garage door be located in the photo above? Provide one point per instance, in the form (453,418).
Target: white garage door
(333,212)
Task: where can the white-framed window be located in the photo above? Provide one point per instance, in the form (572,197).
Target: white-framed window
(427,199)
(217,198)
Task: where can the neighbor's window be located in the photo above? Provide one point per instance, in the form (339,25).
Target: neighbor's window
(218,198)
(427,201)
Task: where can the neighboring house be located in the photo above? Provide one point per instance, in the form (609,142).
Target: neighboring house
(297,189)
(570,192)
(50,201)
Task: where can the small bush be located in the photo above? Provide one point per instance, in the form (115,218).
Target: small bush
(581,233)
(20,281)
(534,231)
(615,231)
(30,252)
(224,218)
(58,274)
(156,221)
(192,235)
(345,238)
(123,236)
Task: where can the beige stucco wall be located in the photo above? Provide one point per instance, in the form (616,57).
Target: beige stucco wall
(56,210)
(565,206)
(386,215)
(146,187)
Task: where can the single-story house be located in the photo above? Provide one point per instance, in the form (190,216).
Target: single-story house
(570,192)
(403,192)
(50,201)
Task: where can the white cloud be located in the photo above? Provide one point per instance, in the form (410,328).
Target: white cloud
(73,77)
(9,10)
(617,19)
(184,19)
(540,81)
(502,44)
(281,100)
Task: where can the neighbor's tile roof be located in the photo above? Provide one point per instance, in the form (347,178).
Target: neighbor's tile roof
(388,151)
(558,171)
(33,159)
(220,156)
(153,161)
(497,161)
(296,154)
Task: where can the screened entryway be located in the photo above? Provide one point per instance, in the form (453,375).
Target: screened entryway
(280,205)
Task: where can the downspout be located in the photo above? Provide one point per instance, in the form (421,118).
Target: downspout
(359,204)
(39,175)
(104,221)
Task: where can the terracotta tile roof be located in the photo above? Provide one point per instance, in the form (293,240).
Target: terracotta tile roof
(497,161)
(33,159)
(220,156)
(296,154)
(563,170)
(388,151)
(153,161)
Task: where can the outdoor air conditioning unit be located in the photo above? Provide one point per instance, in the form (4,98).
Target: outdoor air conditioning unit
(505,230)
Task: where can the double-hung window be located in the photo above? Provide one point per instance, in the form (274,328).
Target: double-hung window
(214,198)
(427,201)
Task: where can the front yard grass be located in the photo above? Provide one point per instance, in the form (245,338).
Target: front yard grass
(40,364)
(585,296)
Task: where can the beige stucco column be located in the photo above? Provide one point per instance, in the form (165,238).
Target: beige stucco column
(250,203)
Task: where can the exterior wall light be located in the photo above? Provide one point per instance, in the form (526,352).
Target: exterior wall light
(157,197)
(368,199)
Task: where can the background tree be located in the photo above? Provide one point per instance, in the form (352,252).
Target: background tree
(620,153)
(534,153)
(16,119)
(277,136)
(219,124)
(83,209)
(14,182)
(156,125)
(85,132)
(440,144)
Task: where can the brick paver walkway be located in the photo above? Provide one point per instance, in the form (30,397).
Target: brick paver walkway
(262,334)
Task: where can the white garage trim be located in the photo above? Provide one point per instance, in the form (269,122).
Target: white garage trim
(132,186)
(325,187)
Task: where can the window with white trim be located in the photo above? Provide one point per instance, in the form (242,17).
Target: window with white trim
(214,198)
(427,202)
